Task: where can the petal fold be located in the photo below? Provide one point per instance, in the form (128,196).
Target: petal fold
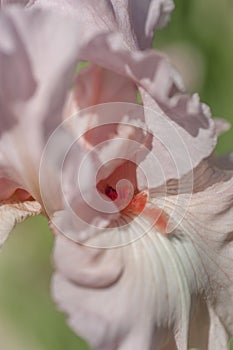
(30,111)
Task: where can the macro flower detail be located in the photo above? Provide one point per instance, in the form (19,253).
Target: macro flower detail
(166,253)
(139,206)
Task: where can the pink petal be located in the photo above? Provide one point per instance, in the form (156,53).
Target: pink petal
(30,111)
(114,132)
(175,149)
(162,276)
(214,230)
(95,85)
(147,16)
(149,70)
(193,124)
(7,188)
(135,20)
(153,72)
(144,68)
(144,303)
(14,59)
(105,317)
(4,3)
(68,188)
(207,223)
(97,269)
(205,175)
(13,213)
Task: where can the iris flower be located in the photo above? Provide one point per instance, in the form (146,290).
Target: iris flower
(143,252)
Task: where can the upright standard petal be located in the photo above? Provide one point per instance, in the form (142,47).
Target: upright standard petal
(146,17)
(158,83)
(31,110)
(136,20)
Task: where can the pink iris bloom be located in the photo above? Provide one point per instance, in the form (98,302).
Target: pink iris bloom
(143,241)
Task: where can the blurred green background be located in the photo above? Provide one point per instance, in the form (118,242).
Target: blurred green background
(200,35)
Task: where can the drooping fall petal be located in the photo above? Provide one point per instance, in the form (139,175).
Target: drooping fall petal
(150,298)
(162,280)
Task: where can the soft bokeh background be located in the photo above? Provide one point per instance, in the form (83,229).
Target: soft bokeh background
(200,35)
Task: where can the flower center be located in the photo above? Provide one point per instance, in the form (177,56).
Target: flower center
(155,215)
(111,193)
(137,204)
(127,203)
